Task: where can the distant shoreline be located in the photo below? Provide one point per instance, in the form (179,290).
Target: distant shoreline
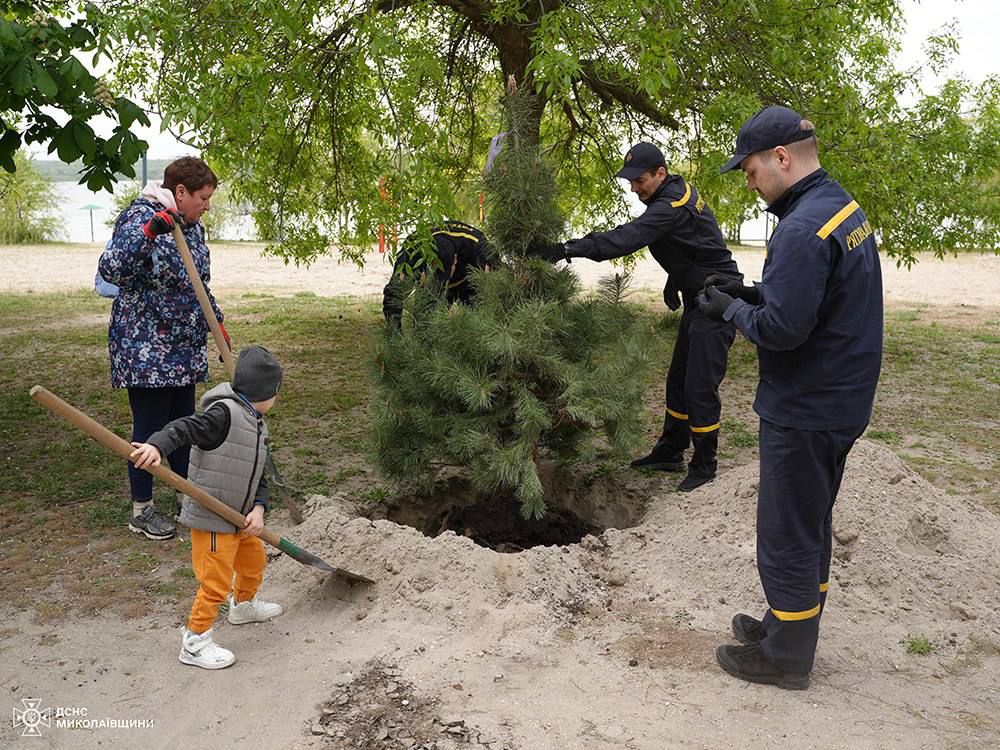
(54,170)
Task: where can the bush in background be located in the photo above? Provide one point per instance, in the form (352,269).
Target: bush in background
(27,203)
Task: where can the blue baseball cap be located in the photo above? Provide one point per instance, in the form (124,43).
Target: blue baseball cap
(772,126)
(642,157)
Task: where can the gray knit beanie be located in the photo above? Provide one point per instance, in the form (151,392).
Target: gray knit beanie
(258,374)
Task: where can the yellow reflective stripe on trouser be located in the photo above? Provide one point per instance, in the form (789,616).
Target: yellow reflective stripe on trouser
(803,615)
(457,234)
(676,414)
(684,199)
(837,220)
(824,587)
(710,428)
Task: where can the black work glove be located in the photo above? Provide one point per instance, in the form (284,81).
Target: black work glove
(734,288)
(714,303)
(671,297)
(552,253)
(162,223)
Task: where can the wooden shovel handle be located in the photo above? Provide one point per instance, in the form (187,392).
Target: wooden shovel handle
(206,306)
(107,438)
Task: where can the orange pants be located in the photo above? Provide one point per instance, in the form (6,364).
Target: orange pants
(215,556)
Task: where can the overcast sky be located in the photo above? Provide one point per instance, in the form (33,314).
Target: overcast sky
(978,22)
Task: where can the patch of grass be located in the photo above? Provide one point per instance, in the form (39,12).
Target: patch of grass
(737,434)
(603,469)
(346,473)
(885,436)
(138,562)
(107,515)
(372,495)
(916,645)
(171,589)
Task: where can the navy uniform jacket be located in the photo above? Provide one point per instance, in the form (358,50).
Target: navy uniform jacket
(682,235)
(818,329)
(456,244)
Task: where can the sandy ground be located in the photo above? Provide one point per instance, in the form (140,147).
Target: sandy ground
(969,279)
(605,644)
(601,645)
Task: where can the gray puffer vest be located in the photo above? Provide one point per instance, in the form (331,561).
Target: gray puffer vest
(232,471)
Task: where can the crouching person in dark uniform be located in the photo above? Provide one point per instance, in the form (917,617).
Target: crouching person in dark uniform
(683,236)
(816,318)
(458,246)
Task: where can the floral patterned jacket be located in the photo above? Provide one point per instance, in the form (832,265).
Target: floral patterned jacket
(157,334)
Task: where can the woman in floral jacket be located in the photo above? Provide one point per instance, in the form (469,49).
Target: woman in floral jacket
(157,335)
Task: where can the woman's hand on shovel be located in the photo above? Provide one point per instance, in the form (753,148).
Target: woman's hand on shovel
(145,455)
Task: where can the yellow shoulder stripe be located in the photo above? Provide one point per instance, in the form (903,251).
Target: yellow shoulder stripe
(837,220)
(457,234)
(684,198)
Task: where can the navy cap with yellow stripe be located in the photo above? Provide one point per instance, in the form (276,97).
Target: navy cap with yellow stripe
(771,127)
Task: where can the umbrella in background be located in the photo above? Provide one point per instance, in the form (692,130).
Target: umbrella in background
(91,207)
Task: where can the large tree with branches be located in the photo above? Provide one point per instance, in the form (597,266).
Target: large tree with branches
(308,105)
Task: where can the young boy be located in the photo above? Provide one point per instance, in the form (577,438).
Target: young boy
(227,461)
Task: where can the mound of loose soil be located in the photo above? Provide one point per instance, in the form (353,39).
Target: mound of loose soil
(658,596)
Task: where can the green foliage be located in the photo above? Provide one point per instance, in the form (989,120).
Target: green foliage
(39,72)
(26,205)
(124,194)
(310,105)
(532,368)
(916,645)
(215,219)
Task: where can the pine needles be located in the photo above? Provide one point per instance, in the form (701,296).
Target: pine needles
(531,369)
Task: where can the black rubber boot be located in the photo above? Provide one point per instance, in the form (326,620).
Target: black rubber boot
(694,480)
(661,459)
(748,630)
(748,663)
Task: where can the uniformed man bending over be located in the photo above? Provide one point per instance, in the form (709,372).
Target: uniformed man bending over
(816,318)
(683,236)
(459,248)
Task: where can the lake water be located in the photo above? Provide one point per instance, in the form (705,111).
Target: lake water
(76,220)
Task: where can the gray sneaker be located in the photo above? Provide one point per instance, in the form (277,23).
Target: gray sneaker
(152,524)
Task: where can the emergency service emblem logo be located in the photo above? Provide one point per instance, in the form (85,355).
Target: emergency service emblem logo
(31,717)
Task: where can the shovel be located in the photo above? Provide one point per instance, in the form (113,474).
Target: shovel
(274,476)
(110,440)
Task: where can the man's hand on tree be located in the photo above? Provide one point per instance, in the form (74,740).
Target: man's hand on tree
(162,223)
(553,252)
(714,303)
(732,287)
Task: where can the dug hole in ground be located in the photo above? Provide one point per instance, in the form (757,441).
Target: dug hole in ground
(606,642)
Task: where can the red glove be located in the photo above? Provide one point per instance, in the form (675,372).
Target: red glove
(162,223)
(225,335)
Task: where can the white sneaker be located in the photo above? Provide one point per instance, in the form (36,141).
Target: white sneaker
(255,610)
(201,651)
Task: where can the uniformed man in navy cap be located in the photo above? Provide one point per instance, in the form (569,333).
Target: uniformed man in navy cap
(816,318)
(683,236)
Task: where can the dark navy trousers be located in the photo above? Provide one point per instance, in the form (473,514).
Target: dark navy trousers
(152,408)
(800,475)
(693,406)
